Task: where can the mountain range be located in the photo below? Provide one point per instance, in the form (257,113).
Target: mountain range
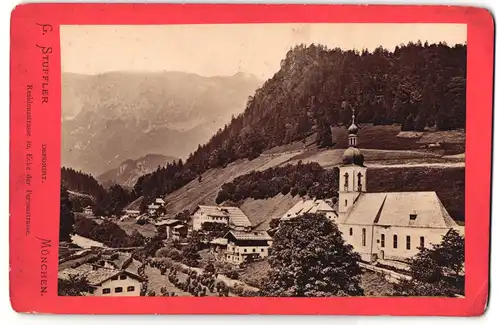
(130,170)
(110,118)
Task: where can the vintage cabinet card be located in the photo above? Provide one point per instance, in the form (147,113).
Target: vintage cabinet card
(250,159)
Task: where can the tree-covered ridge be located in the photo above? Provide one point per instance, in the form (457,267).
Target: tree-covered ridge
(301,179)
(105,202)
(416,85)
(80,182)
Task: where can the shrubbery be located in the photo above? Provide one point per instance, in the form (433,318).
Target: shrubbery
(302,179)
(108,233)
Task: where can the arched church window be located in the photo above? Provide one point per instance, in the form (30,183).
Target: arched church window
(360,183)
(346,181)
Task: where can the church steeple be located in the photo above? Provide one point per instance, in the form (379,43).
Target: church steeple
(352,155)
(353,132)
(352,172)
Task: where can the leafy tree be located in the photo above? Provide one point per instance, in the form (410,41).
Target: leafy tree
(285,189)
(324,136)
(183,216)
(436,271)
(214,229)
(311,259)
(83,226)
(274,223)
(66,216)
(73,286)
(118,199)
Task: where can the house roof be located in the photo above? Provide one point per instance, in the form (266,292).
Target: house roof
(122,258)
(249,235)
(236,217)
(394,209)
(179,226)
(309,206)
(160,201)
(153,206)
(132,211)
(95,276)
(219,241)
(168,222)
(85,242)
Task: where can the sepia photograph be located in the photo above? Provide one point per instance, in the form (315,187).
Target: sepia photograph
(263,160)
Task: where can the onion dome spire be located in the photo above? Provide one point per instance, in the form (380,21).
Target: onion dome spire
(352,155)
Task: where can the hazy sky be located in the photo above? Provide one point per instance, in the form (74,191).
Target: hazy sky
(227,49)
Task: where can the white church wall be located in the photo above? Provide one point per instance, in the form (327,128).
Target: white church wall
(385,249)
(353,235)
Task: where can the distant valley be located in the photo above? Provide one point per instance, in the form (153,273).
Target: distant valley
(130,170)
(112,117)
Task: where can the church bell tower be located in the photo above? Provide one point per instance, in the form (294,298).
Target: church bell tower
(352,172)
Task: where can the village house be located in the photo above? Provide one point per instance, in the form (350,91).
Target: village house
(154,207)
(131,213)
(233,217)
(87,210)
(106,281)
(218,245)
(380,226)
(325,207)
(175,229)
(246,246)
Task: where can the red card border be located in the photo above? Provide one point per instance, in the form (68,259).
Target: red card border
(25,251)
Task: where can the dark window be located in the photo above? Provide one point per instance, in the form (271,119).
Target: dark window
(253,250)
(408,242)
(360,185)
(346,183)
(123,277)
(130,288)
(345,202)
(395,243)
(363,237)
(118,289)
(245,250)
(382,240)
(350,231)
(422,242)
(106,291)
(262,249)
(115,277)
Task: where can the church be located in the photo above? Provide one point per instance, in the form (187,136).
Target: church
(382,225)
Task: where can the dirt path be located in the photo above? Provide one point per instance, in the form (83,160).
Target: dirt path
(156,281)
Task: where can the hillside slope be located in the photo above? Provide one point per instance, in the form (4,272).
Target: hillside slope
(391,170)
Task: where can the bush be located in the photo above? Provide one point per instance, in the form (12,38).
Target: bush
(300,179)
(234,275)
(285,189)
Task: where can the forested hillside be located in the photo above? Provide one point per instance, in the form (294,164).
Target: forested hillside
(80,182)
(417,85)
(105,202)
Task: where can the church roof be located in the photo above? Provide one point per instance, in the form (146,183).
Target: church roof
(395,208)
